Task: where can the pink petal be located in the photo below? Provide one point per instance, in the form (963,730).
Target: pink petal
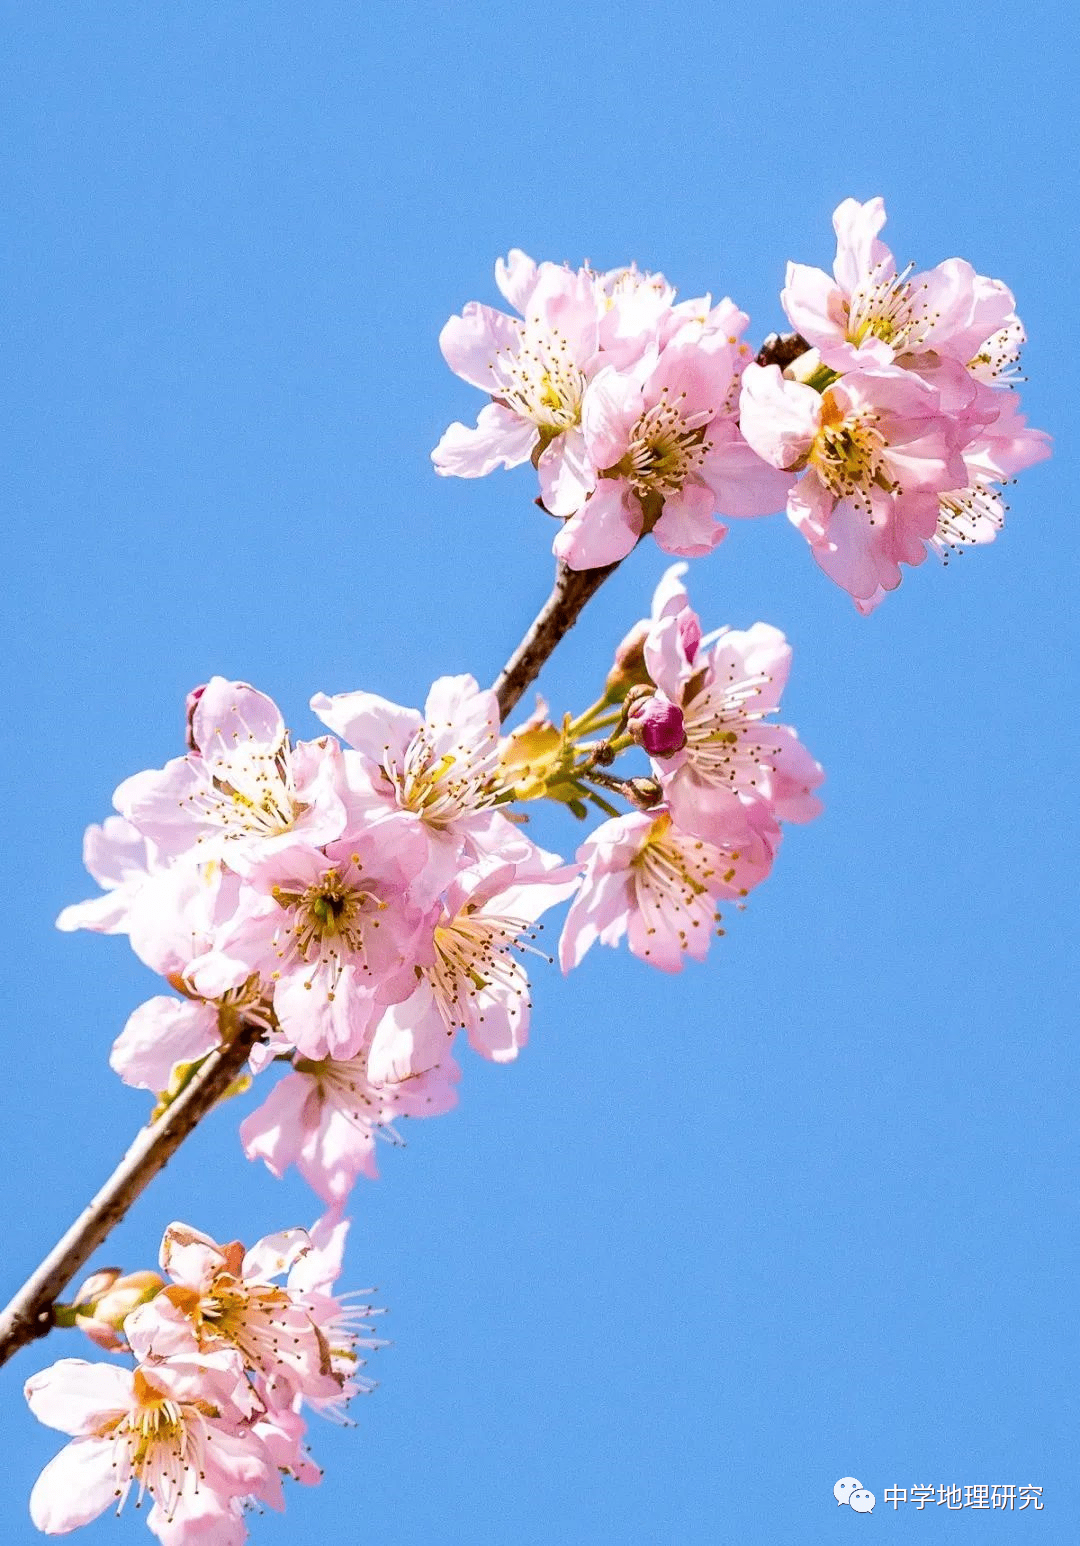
(567,476)
(74,1396)
(75,1487)
(501,438)
(687,526)
(516,277)
(115,852)
(858,252)
(158,1035)
(778,418)
(813,303)
(605,529)
(275,1131)
(230,716)
(470,342)
(613,402)
(742,483)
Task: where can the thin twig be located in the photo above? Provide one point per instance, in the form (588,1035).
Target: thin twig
(30,1313)
(572,589)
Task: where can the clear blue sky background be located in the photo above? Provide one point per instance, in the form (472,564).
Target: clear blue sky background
(715,1241)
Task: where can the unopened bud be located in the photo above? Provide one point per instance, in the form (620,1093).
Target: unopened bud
(645,792)
(629,669)
(103,1319)
(96,1284)
(657,725)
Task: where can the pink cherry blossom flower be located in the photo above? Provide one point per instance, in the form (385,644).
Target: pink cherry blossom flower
(658,886)
(535,371)
(325,1115)
(665,439)
(223,1298)
(877,449)
(870,314)
(973,515)
(434,775)
(334,934)
(172,1430)
(244,784)
(477,980)
(730,760)
(636,309)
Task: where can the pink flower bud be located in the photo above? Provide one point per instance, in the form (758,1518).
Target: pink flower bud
(657,725)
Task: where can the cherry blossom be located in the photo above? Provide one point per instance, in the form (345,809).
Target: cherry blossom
(435,775)
(727,759)
(658,886)
(172,1430)
(879,493)
(332,930)
(243,785)
(225,1298)
(324,1116)
(877,449)
(477,980)
(870,313)
(665,440)
(535,371)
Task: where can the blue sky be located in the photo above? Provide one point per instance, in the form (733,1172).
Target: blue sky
(716,1241)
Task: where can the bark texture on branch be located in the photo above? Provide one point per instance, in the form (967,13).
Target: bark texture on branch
(30,1313)
(573,588)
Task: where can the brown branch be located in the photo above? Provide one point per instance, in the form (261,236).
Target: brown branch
(30,1313)
(573,588)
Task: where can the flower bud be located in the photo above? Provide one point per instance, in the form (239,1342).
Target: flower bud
(629,669)
(645,792)
(96,1284)
(657,725)
(103,1318)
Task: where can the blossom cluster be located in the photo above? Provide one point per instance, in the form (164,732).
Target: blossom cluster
(353,902)
(897,414)
(886,426)
(209,1419)
(625,400)
(725,778)
(358,902)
